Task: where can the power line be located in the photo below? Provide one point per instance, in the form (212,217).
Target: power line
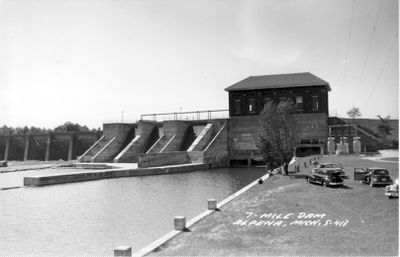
(382,69)
(348,44)
(368,51)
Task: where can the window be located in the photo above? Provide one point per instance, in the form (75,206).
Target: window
(267,100)
(237,106)
(315,104)
(299,103)
(252,105)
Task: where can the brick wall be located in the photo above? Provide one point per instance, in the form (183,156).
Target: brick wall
(275,95)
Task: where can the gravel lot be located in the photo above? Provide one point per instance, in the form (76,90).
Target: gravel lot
(288,216)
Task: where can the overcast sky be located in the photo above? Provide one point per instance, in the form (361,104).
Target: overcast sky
(86,61)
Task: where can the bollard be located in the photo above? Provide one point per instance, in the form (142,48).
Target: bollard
(122,251)
(212,204)
(298,168)
(180,223)
(305,164)
(310,161)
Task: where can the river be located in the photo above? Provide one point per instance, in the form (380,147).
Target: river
(92,218)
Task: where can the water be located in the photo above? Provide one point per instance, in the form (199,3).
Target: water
(92,218)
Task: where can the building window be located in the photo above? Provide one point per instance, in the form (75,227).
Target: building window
(237,106)
(315,104)
(283,99)
(252,105)
(299,103)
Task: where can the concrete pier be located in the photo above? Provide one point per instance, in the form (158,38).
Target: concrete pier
(7,148)
(48,147)
(71,147)
(45,180)
(123,251)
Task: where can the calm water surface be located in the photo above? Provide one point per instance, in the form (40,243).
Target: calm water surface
(91,218)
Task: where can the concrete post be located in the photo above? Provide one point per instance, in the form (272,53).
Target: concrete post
(212,204)
(180,223)
(26,152)
(356,145)
(122,251)
(248,162)
(331,146)
(71,147)
(7,148)
(48,144)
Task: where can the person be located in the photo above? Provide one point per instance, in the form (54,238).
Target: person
(286,168)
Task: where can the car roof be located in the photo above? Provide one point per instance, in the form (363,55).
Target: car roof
(376,168)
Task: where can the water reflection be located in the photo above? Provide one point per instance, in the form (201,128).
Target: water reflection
(91,218)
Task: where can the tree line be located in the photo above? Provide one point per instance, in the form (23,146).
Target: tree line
(66,127)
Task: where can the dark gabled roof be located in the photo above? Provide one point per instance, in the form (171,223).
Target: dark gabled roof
(304,79)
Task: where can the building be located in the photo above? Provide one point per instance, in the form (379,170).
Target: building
(248,97)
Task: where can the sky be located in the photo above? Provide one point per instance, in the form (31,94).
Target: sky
(87,61)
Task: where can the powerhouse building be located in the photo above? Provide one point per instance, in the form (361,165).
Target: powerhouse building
(247,98)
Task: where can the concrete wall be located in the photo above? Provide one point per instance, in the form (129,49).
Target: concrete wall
(217,152)
(53,146)
(119,130)
(146,134)
(177,128)
(169,158)
(203,138)
(116,137)
(243,133)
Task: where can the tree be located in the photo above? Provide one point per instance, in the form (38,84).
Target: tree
(70,127)
(278,134)
(354,113)
(383,127)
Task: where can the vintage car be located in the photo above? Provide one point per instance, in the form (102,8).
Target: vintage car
(392,191)
(325,177)
(331,166)
(373,176)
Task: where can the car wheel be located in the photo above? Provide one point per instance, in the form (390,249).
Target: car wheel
(390,197)
(371,183)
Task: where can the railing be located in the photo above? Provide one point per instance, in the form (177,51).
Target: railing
(192,115)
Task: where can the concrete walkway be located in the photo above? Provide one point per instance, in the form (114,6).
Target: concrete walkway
(288,216)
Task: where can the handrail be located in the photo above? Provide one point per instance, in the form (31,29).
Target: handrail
(90,148)
(176,115)
(133,141)
(169,141)
(102,149)
(215,138)
(155,143)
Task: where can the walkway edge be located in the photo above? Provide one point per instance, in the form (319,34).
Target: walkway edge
(152,246)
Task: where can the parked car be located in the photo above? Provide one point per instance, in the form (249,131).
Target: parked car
(373,176)
(325,177)
(392,191)
(331,166)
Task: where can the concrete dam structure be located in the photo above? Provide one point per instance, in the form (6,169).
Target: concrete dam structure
(46,146)
(170,142)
